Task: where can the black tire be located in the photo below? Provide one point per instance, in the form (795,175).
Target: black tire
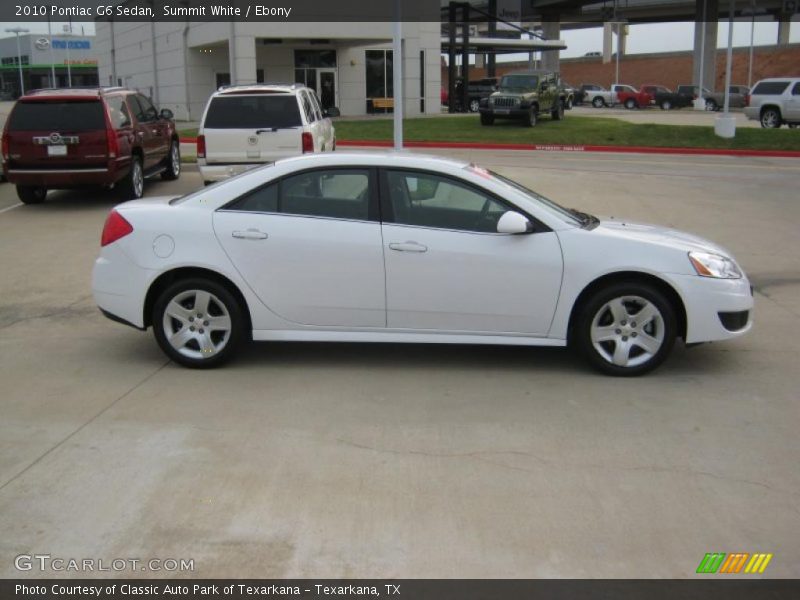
(630,104)
(595,313)
(598,102)
(666,105)
(172,162)
(474,105)
(793,125)
(532,118)
(711,106)
(558,113)
(487,119)
(569,104)
(221,300)
(132,187)
(31,194)
(771,118)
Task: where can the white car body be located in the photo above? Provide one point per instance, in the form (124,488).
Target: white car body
(783,99)
(309,278)
(243,141)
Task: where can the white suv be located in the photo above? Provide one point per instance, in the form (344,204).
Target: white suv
(247,125)
(775,102)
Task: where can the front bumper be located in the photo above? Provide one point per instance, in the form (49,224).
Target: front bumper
(705,298)
(506,113)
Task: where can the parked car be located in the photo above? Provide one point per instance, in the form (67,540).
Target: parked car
(482,88)
(584,92)
(568,95)
(524,95)
(775,102)
(83,137)
(631,98)
(444,96)
(654,89)
(619,93)
(684,96)
(247,125)
(716,100)
(307,249)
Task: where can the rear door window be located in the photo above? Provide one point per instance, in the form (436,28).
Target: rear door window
(770,88)
(118,112)
(253,112)
(60,116)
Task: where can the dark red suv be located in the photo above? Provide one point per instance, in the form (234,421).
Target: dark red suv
(74,138)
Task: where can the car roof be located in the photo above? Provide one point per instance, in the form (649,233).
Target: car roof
(255,88)
(73,92)
(352,157)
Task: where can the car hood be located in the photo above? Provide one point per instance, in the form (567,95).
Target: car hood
(656,234)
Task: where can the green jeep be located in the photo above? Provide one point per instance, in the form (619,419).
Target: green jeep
(525,95)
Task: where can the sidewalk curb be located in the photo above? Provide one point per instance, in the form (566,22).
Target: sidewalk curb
(566,148)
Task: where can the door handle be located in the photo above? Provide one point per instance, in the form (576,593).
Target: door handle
(408,247)
(250,234)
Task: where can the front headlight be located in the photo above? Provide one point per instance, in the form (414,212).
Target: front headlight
(714,265)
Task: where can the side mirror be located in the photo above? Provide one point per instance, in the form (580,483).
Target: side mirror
(514,223)
(166,114)
(332,112)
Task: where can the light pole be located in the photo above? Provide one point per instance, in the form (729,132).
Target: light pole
(19,30)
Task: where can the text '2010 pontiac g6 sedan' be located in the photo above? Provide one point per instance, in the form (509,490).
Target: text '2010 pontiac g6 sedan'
(406,248)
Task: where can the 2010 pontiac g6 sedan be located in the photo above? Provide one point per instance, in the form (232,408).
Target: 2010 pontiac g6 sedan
(406,248)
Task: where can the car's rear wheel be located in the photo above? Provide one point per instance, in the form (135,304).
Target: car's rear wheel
(666,105)
(487,120)
(173,164)
(711,105)
(630,103)
(133,184)
(626,329)
(598,102)
(793,125)
(771,118)
(31,194)
(474,105)
(198,323)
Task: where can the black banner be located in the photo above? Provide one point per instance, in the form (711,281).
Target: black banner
(717,588)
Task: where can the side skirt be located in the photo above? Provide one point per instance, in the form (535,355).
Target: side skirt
(395,337)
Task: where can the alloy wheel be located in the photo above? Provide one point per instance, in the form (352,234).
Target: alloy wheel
(175,159)
(137,177)
(197,324)
(627,331)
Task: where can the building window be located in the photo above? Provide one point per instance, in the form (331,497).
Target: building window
(223,79)
(13,60)
(306,63)
(379,79)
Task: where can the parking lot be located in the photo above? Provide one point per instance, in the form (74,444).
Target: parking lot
(315,460)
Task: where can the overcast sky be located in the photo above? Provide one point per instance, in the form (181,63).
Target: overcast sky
(656,37)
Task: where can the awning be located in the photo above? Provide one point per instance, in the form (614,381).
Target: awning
(500,45)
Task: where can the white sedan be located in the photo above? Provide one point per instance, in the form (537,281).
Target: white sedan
(406,248)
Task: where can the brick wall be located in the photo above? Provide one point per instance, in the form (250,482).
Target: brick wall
(669,69)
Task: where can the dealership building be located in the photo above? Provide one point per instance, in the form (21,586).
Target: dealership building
(47,61)
(349,64)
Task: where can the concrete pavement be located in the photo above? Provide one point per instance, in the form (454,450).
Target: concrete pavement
(407,461)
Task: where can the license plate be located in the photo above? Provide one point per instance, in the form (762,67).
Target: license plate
(501,111)
(57,150)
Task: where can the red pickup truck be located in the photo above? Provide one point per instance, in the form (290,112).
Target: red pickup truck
(631,98)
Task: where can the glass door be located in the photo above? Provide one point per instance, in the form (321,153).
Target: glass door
(326,87)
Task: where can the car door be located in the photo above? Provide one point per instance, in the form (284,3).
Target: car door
(325,123)
(313,121)
(447,268)
(793,103)
(309,246)
(145,130)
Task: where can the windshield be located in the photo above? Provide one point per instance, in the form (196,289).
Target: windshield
(545,203)
(253,112)
(524,82)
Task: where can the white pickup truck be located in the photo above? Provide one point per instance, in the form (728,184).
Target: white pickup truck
(601,98)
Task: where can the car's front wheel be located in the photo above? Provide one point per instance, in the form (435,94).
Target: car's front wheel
(626,329)
(558,113)
(173,164)
(711,105)
(133,184)
(531,118)
(198,323)
(474,105)
(31,194)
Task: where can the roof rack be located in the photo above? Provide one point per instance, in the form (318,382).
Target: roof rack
(290,85)
(99,89)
